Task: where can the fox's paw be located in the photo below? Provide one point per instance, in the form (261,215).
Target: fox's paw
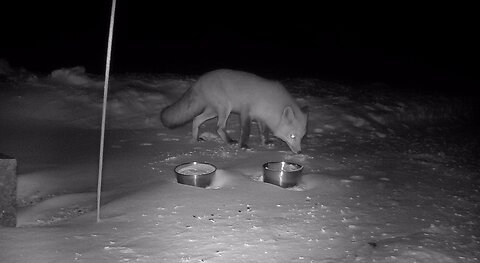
(207,136)
(268,144)
(193,141)
(199,139)
(244,146)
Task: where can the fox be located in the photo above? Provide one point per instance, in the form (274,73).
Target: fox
(219,93)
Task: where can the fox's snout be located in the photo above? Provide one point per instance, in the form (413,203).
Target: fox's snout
(295,148)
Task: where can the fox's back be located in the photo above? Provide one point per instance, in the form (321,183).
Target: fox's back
(242,90)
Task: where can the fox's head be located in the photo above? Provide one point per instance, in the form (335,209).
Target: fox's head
(292,128)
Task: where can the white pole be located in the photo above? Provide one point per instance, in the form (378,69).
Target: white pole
(104,110)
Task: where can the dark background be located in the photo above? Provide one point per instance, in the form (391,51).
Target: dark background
(432,47)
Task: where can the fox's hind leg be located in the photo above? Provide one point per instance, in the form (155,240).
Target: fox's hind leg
(206,115)
(221,124)
(244,130)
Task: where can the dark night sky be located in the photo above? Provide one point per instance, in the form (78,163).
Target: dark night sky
(410,45)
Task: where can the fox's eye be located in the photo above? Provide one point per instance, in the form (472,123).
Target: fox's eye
(292,136)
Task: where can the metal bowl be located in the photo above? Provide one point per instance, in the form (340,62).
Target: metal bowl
(195,173)
(283,174)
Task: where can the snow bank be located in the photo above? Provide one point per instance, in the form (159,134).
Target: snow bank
(11,75)
(72,97)
(377,109)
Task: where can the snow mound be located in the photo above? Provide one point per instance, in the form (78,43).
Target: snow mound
(73,76)
(5,68)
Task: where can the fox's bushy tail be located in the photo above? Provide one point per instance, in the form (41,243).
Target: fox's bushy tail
(182,111)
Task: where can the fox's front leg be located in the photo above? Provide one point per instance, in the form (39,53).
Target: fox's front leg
(197,121)
(244,130)
(263,129)
(221,124)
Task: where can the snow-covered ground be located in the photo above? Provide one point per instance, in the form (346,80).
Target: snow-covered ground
(389,176)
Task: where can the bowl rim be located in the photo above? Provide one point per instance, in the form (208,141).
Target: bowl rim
(266,166)
(192,163)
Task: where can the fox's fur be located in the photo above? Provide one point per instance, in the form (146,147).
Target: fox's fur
(221,92)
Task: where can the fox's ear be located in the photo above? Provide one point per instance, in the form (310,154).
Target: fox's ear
(288,114)
(305,109)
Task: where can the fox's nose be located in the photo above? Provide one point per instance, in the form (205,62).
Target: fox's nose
(295,149)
